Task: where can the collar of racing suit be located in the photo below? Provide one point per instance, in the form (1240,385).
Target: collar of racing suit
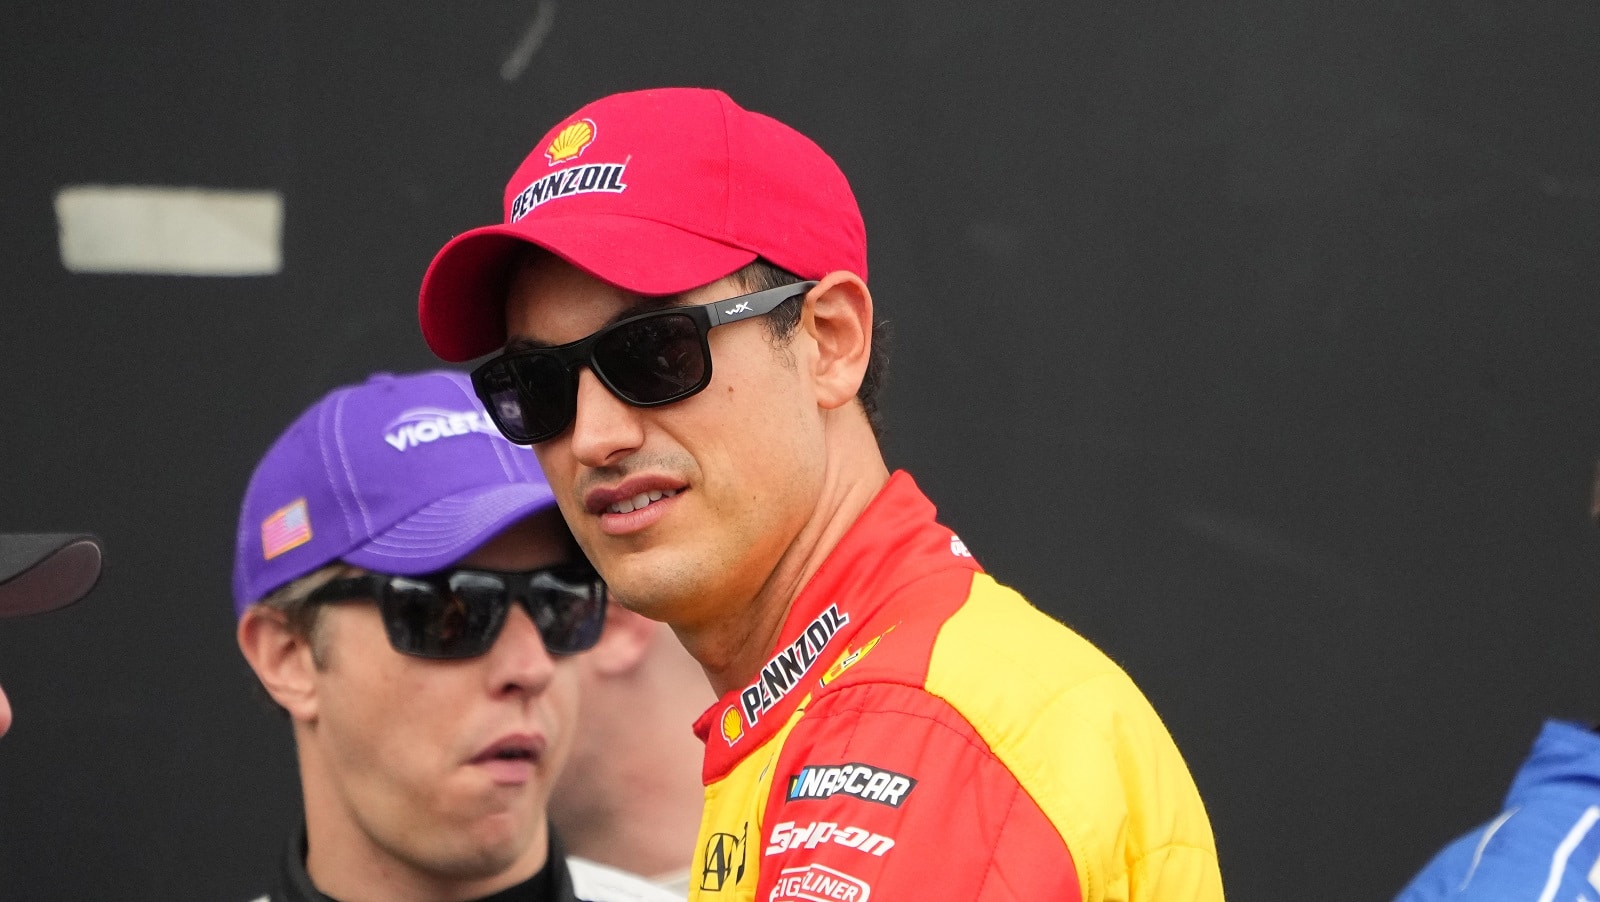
(896,541)
(553,883)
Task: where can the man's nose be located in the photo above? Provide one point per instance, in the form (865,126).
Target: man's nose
(605,428)
(519,662)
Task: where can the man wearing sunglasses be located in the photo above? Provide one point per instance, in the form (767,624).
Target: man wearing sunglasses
(408,594)
(678,294)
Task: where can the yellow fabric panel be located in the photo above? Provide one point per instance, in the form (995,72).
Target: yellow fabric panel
(1084,742)
(735,805)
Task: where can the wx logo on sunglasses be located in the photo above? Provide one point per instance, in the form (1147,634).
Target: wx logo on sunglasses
(647,360)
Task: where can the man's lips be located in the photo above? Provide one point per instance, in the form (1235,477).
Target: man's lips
(631,495)
(511,758)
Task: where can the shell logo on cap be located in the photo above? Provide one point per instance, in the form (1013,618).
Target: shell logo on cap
(732,725)
(571,142)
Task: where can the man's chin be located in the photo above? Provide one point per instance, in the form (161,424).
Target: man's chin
(660,583)
(648,601)
(487,855)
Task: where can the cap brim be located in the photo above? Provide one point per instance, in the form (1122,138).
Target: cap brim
(43,572)
(449,529)
(462,304)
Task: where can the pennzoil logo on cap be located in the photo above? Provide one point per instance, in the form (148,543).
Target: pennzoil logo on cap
(586,179)
(571,142)
(285,528)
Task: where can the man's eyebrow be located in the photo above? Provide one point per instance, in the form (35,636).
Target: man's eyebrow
(526,344)
(645,304)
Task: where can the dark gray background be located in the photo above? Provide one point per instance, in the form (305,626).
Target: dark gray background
(1255,339)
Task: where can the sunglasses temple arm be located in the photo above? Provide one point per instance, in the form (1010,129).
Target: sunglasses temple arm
(751,305)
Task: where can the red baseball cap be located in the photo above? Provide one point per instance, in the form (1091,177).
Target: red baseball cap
(656,192)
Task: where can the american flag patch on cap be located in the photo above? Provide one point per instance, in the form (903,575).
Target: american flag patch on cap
(288,527)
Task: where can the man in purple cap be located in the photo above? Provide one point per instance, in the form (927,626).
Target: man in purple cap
(41,572)
(408,594)
(893,722)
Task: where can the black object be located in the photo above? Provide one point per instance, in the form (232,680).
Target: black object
(647,360)
(458,613)
(44,571)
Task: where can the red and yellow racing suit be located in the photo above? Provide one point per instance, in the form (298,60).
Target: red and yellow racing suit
(922,732)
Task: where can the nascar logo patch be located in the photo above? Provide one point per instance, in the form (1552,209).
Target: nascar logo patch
(861,781)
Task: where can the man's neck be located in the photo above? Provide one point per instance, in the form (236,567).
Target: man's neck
(369,881)
(732,650)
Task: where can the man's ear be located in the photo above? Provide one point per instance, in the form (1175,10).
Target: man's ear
(282,660)
(838,317)
(624,642)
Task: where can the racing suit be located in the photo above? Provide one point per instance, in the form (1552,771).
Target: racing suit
(1545,844)
(922,732)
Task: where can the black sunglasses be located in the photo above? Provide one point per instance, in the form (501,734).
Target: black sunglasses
(647,360)
(458,613)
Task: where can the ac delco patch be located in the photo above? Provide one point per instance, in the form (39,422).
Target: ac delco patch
(861,781)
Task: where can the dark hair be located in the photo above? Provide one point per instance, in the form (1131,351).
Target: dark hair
(781,322)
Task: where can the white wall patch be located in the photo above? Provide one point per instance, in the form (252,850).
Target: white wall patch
(170,230)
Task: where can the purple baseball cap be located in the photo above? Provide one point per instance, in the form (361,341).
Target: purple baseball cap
(400,474)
